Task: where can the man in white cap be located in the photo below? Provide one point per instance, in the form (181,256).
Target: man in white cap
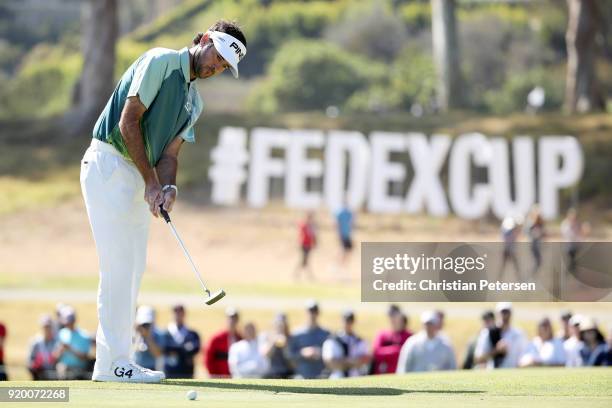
(573,344)
(148,344)
(509,349)
(130,169)
(426,350)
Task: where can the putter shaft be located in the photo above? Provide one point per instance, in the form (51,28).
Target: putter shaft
(195,269)
(212,298)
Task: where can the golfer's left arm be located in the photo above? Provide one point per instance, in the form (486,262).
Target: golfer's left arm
(166,171)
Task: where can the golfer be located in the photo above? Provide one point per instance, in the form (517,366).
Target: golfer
(130,169)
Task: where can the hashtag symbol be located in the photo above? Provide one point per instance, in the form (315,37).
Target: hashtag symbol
(228,170)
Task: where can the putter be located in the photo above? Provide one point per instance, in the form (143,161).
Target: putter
(212,297)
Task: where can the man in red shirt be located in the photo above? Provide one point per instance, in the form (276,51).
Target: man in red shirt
(215,357)
(388,343)
(308,240)
(3,376)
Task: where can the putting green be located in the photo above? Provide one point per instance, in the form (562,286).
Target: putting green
(540,388)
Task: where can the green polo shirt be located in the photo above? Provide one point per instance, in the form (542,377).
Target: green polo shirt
(160,78)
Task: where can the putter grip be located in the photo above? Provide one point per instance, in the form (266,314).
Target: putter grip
(164,213)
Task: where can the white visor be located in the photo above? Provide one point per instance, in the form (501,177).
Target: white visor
(230,49)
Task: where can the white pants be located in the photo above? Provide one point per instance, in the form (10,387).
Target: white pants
(113,190)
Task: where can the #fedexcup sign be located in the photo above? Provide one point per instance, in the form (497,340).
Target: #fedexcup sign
(370,171)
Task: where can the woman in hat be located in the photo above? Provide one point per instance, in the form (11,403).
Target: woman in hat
(595,350)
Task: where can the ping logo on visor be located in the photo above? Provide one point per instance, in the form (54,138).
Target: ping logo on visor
(230,48)
(238,50)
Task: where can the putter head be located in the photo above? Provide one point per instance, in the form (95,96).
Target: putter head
(215,297)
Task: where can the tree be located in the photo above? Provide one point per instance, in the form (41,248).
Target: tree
(581,90)
(446,53)
(99,35)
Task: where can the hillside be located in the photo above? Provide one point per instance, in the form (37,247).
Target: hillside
(40,169)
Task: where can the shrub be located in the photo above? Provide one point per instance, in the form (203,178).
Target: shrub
(372,31)
(269,28)
(513,94)
(9,56)
(43,86)
(416,16)
(311,75)
(411,79)
(492,48)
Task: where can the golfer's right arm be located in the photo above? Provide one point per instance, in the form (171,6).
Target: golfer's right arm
(129,125)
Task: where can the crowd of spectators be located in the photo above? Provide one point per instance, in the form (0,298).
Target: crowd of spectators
(573,232)
(64,351)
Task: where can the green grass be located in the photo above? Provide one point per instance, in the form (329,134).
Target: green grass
(23,194)
(528,388)
(184,285)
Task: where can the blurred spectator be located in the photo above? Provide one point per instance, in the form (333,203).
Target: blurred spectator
(510,347)
(345,220)
(565,332)
(41,362)
(306,345)
(594,351)
(148,343)
(74,346)
(573,231)
(545,349)
(3,375)
(57,323)
(440,326)
(609,340)
(308,240)
(495,335)
(276,348)
(217,350)
(573,344)
(426,351)
(536,232)
(245,357)
(345,353)
(180,345)
(510,232)
(440,318)
(393,309)
(388,343)
(490,331)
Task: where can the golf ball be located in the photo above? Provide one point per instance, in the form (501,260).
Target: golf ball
(191,395)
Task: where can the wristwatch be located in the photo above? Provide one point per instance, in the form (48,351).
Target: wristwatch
(170,186)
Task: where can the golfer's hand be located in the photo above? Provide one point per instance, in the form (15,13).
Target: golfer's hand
(153,196)
(169,197)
